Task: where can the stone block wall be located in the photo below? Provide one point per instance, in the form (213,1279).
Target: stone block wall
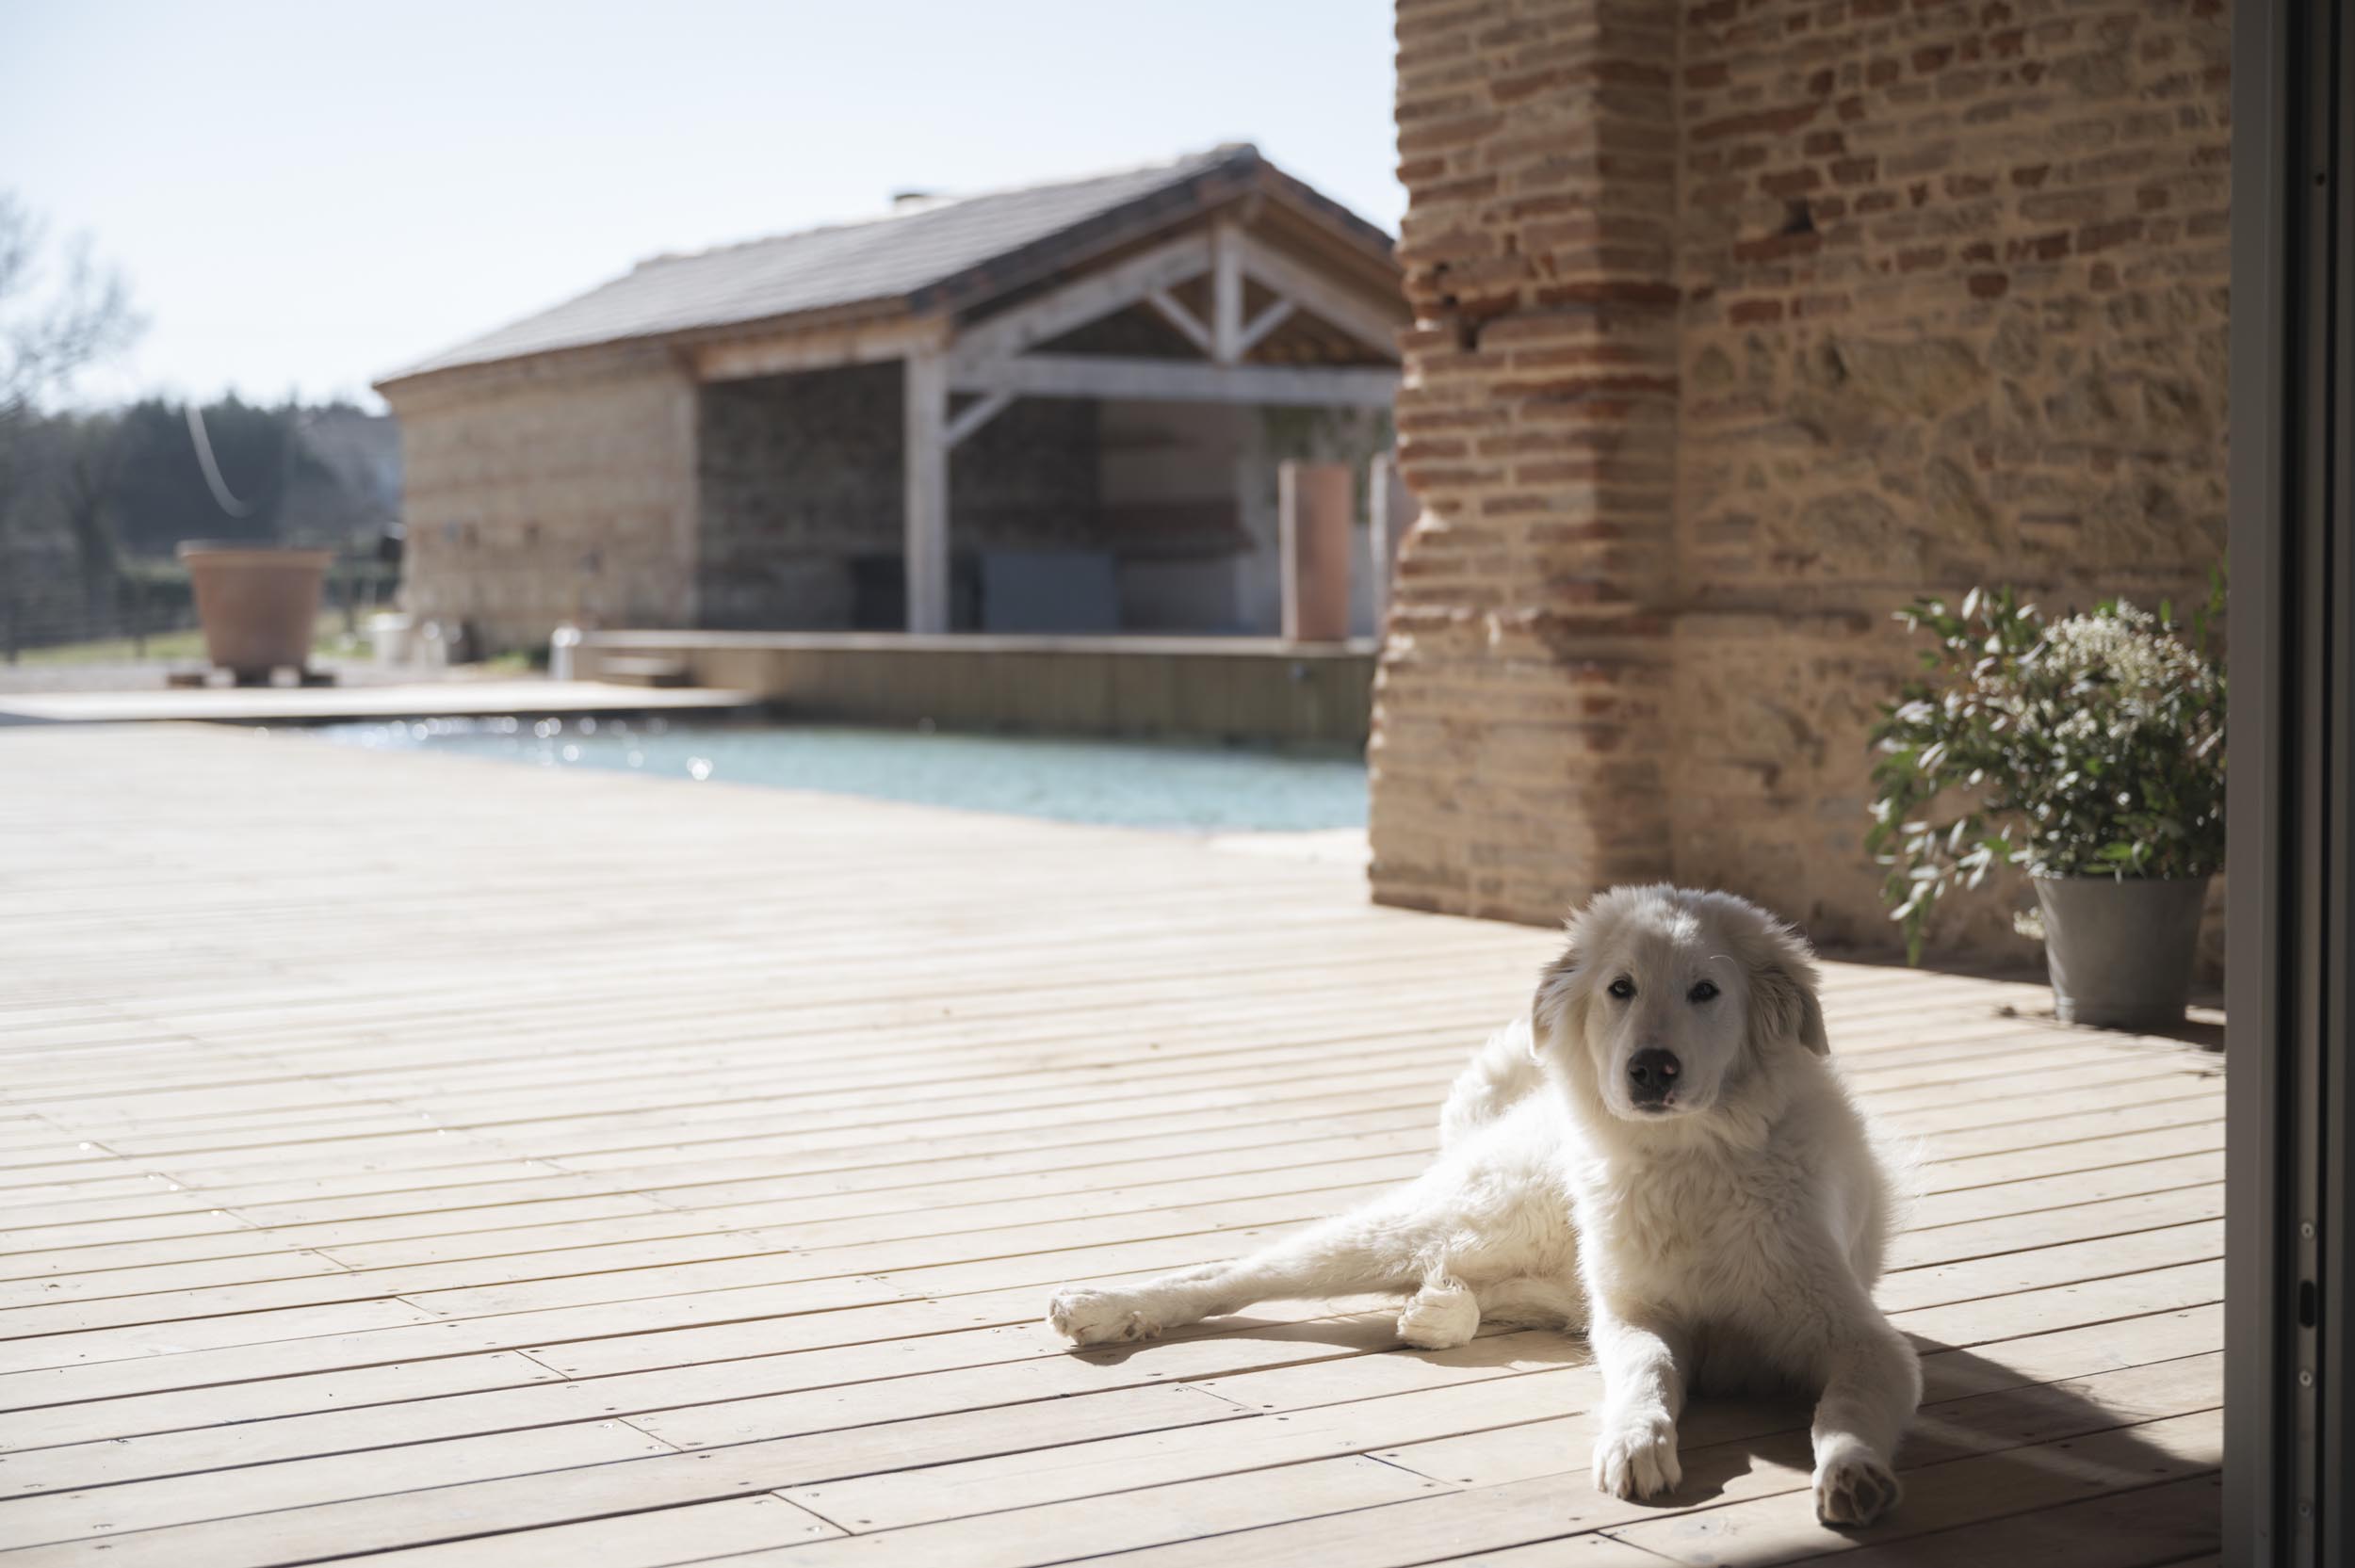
(1828,303)
(798,474)
(550,492)
(802,476)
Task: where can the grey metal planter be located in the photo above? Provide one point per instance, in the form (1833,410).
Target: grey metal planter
(2122,950)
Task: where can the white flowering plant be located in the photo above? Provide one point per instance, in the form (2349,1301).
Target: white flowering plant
(2091,745)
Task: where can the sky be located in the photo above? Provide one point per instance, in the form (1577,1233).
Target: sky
(303,198)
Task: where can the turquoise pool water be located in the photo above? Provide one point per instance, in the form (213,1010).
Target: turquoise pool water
(1131,783)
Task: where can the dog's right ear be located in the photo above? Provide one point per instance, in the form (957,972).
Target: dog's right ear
(1560,1001)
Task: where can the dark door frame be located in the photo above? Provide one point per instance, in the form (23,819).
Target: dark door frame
(2287,1470)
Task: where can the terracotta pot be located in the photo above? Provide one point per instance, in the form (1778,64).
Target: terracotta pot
(2121,949)
(257,602)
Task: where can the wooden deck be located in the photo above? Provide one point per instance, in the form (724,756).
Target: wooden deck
(446,1163)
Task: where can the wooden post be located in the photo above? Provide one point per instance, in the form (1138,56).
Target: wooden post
(927,502)
(1227,294)
(1391,508)
(1313,506)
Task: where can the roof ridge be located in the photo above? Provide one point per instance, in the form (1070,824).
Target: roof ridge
(1225,152)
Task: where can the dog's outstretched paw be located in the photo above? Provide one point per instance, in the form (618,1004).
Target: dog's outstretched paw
(1853,1487)
(1637,1457)
(1098,1317)
(1439,1318)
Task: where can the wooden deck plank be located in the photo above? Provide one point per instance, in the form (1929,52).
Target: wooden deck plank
(644,1239)
(655,1540)
(355,1199)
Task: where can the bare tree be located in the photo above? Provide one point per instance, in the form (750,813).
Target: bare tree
(56,321)
(51,328)
(57,316)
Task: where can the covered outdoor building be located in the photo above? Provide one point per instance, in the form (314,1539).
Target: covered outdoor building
(1056,409)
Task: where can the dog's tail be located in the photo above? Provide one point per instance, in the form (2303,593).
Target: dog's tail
(1500,1073)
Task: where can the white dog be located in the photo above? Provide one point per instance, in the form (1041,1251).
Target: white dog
(1658,1153)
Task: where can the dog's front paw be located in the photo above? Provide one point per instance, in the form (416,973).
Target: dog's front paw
(1098,1317)
(1637,1457)
(1439,1318)
(1854,1486)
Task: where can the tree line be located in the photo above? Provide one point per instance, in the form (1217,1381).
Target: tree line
(96,501)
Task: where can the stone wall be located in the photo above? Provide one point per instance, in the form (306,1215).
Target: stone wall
(1740,326)
(609,489)
(550,492)
(801,492)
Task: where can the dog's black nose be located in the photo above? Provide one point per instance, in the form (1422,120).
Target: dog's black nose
(1652,1072)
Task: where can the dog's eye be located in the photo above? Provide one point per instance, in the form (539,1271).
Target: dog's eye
(1622,988)
(1702,992)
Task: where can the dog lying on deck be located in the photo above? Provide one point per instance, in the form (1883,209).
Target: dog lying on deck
(1657,1154)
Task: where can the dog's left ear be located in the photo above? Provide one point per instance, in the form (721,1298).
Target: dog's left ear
(1783,1004)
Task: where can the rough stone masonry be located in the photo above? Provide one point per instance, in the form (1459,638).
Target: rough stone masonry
(1739,325)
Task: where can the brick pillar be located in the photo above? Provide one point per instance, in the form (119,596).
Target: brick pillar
(1518,747)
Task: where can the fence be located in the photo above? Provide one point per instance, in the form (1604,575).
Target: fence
(48,610)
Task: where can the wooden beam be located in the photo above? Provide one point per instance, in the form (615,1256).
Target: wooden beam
(1181,380)
(1091,296)
(784,353)
(926,558)
(976,415)
(1183,319)
(1264,323)
(1227,265)
(1355,314)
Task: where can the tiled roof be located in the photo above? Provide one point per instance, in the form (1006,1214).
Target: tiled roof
(918,248)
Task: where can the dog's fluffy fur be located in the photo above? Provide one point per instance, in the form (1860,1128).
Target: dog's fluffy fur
(1726,1239)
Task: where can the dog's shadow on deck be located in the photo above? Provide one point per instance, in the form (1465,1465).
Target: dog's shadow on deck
(1989,1441)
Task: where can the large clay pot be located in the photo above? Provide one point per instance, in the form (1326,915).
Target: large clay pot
(258,604)
(2120,948)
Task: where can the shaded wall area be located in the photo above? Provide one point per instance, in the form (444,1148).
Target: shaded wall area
(801,496)
(1068,515)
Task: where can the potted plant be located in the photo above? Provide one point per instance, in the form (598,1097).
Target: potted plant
(2088,751)
(257,603)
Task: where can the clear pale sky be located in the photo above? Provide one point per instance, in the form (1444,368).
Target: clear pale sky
(304,197)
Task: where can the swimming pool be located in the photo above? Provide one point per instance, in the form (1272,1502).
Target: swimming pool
(1186,785)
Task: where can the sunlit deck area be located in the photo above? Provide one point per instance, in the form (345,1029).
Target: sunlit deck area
(439,1163)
